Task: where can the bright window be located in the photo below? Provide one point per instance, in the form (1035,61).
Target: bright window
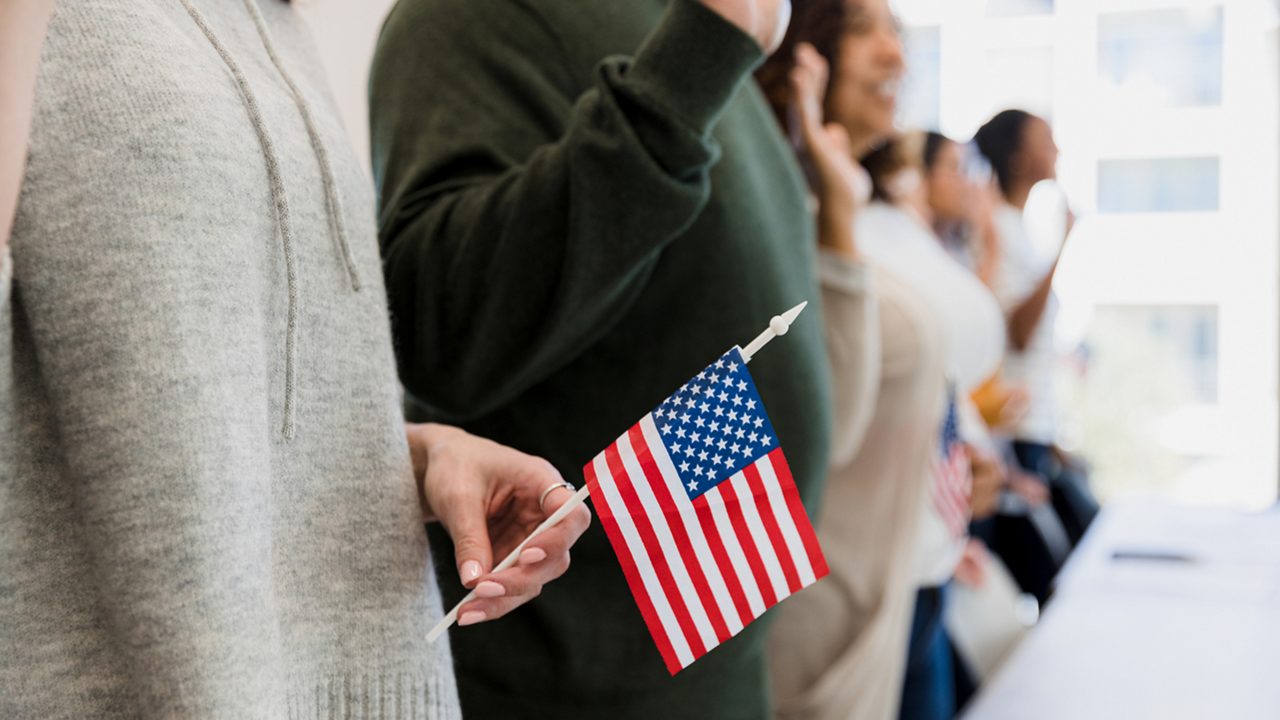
(1137,185)
(1169,57)
(1008,8)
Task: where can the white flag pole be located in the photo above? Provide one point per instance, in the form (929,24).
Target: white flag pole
(777,326)
(511,558)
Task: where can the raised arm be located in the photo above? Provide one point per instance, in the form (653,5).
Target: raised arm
(1025,318)
(520,216)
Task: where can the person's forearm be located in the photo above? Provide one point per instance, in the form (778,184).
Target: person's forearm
(988,270)
(538,247)
(22,30)
(836,229)
(988,245)
(1026,317)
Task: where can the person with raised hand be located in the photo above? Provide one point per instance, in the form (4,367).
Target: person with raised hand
(1022,152)
(580,203)
(837,650)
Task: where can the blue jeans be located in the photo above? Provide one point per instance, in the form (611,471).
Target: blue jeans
(928,690)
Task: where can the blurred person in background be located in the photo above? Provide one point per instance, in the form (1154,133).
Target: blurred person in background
(1022,152)
(1005,497)
(1025,533)
(963,206)
(838,650)
(581,203)
(896,230)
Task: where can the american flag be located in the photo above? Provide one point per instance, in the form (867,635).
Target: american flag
(700,507)
(953,484)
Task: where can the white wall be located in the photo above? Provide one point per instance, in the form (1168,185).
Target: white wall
(345,31)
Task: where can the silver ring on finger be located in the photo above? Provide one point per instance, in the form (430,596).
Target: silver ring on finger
(542,499)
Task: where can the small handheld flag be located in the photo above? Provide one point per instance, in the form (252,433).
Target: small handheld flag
(700,507)
(952,480)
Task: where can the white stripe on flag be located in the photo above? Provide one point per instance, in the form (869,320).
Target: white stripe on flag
(641,558)
(692,526)
(782,513)
(755,528)
(670,551)
(731,547)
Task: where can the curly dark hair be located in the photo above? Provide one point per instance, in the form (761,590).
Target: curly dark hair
(822,24)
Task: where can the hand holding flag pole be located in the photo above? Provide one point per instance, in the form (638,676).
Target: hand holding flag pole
(777,326)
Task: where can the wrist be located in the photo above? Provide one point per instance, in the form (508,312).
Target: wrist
(424,438)
(835,230)
(763,26)
(694,35)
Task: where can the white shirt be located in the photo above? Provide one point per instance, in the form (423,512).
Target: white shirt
(1020,271)
(898,240)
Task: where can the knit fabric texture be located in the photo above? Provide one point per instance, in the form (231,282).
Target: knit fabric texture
(206,502)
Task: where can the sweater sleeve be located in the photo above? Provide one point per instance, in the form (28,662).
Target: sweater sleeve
(850,311)
(520,216)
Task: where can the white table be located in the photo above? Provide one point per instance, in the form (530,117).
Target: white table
(1149,638)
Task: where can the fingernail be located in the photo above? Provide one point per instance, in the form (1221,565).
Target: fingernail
(490,589)
(471,618)
(532,555)
(470,571)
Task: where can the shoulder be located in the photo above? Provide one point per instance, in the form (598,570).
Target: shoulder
(460,24)
(468,46)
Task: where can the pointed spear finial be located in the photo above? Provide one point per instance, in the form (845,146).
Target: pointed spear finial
(777,326)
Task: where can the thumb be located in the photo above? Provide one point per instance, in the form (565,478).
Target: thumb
(471,547)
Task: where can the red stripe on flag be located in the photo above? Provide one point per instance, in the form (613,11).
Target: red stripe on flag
(950,494)
(605,513)
(756,483)
(798,514)
(675,522)
(733,507)
(727,571)
(654,550)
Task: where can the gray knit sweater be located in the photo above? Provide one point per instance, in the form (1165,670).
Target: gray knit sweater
(206,505)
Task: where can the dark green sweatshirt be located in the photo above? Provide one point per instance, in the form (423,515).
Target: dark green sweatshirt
(583,203)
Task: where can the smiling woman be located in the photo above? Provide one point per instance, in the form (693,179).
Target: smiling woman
(838,651)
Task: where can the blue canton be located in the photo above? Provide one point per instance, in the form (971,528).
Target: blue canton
(715,425)
(950,425)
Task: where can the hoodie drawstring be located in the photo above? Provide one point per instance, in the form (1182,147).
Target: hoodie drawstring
(332,201)
(284,220)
